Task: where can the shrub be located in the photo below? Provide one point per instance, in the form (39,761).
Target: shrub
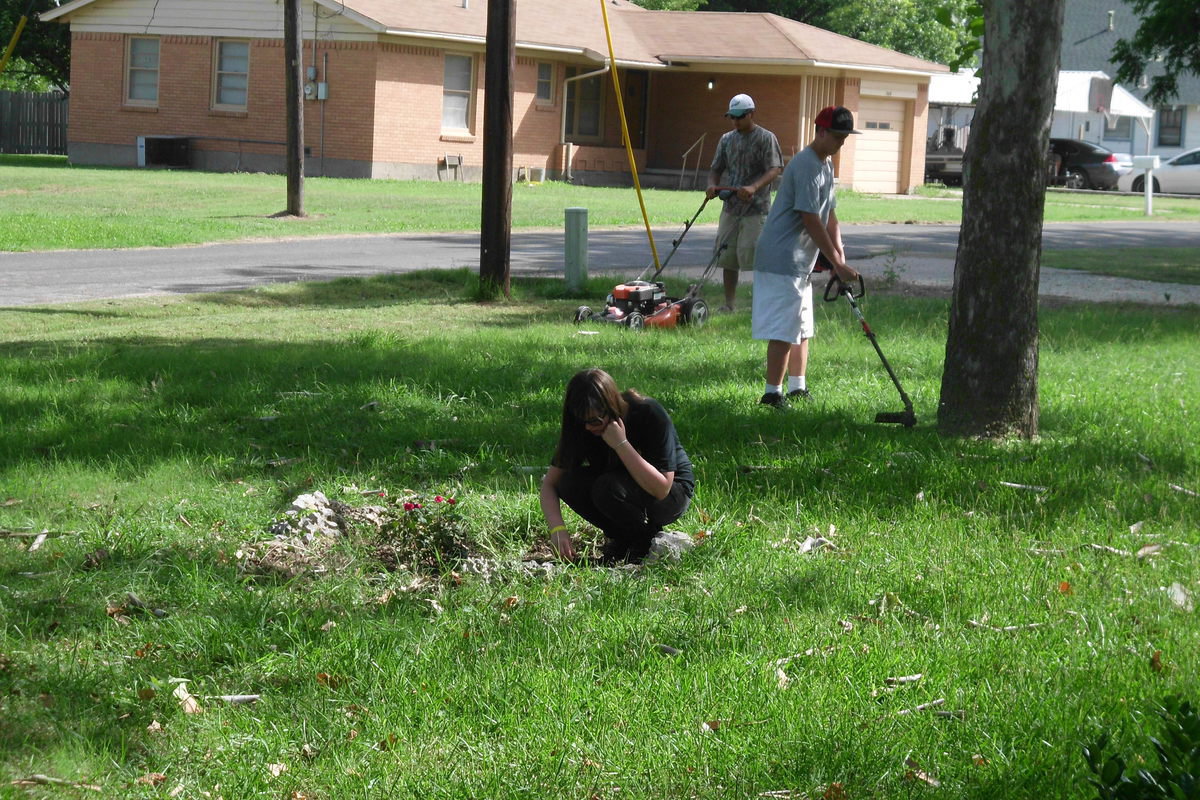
(1178,774)
(427,536)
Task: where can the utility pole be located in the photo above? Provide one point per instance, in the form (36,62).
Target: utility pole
(292,49)
(495,230)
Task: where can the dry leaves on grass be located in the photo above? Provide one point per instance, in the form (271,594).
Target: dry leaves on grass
(915,773)
(187,702)
(47,780)
(1181,597)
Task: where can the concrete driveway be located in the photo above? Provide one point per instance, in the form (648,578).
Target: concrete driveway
(922,255)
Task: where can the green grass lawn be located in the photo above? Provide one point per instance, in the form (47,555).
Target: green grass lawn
(1163,264)
(47,205)
(156,438)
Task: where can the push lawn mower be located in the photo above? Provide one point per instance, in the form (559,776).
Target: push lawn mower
(839,288)
(640,303)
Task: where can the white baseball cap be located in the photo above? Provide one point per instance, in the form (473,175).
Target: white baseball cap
(740,105)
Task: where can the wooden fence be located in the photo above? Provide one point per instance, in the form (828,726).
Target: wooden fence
(33,122)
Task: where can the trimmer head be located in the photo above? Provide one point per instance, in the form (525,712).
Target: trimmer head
(905,418)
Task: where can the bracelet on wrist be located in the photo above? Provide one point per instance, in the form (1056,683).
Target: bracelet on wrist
(620,444)
(557,528)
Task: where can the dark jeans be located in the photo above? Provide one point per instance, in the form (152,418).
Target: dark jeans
(614,503)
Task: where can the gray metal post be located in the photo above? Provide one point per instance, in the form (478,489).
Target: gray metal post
(1149,186)
(576,248)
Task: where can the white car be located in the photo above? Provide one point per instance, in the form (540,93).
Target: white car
(1179,175)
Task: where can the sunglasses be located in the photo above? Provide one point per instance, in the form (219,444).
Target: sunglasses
(592,422)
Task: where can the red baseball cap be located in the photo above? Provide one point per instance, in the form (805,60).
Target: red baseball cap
(837,119)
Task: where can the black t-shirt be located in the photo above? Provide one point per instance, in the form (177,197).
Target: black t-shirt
(651,432)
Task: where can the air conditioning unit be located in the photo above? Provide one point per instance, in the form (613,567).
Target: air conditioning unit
(164,151)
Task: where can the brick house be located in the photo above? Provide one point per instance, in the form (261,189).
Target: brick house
(395,88)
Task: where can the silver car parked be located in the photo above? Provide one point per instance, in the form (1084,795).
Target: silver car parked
(1179,175)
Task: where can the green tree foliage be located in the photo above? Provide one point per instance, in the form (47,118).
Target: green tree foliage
(19,76)
(670,5)
(1170,31)
(43,55)
(811,12)
(907,26)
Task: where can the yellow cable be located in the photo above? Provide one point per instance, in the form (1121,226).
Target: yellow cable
(12,45)
(625,134)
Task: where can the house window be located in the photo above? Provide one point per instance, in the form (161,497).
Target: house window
(142,79)
(1170,126)
(1118,128)
(231,74)
(457,85)
(545,83)
(584,109)
(879,126)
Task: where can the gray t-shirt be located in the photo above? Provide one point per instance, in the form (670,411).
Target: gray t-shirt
(741,159)
(785,248)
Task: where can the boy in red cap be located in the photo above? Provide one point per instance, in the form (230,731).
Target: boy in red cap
(802,223)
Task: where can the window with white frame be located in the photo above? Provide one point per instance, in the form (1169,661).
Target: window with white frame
(1170,126)
(1118,128)
(458,83)
(231,74)
(545,83)
(142,78)
(584,109)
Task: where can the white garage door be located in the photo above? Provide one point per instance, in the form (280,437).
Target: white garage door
(878,153)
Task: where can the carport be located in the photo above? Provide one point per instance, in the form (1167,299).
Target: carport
(1085,104)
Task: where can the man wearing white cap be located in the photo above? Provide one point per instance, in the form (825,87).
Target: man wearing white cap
(802,225)
(748,157)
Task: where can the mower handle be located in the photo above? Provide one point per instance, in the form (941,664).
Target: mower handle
(839,287)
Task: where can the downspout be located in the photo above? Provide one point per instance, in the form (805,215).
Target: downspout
(562,132)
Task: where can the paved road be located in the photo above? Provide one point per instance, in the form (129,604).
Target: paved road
(920,254)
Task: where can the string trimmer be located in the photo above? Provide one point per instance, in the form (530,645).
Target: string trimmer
(837,287)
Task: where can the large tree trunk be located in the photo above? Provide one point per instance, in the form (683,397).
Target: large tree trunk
(989,384)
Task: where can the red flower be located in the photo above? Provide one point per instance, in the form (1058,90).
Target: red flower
(411,506)
(451,500)
(438,499)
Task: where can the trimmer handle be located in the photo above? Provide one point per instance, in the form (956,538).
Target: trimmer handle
(838,287)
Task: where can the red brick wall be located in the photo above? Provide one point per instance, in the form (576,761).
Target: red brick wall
(349,113)
(408,129)
(99,115)
(683,108)
(408,96)
(97,83)
(536,126)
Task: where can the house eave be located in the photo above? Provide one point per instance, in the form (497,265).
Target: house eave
(913,73)
(55,13)
(718,61)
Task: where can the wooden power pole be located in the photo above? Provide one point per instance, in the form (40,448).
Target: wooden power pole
(292,49)
(495,228)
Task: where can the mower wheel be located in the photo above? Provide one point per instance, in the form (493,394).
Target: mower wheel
(583,314)
(635,321)
(696,314)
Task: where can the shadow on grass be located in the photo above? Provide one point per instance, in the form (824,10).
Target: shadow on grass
(51,311)
(364,399)
(11,160)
